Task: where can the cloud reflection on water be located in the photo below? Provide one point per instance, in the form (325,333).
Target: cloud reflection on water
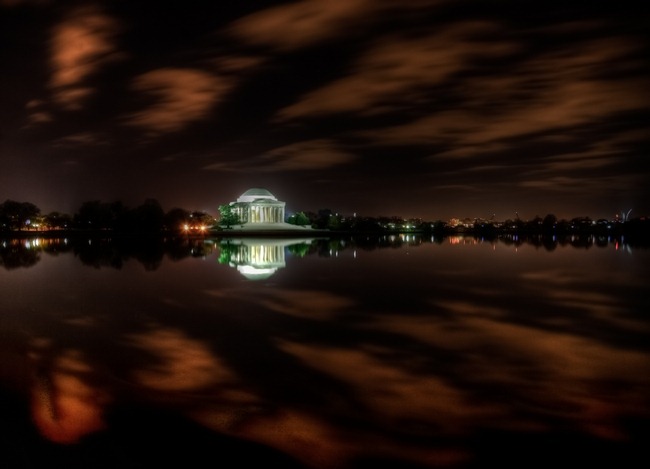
(349,362)
(183,363)
(65,406)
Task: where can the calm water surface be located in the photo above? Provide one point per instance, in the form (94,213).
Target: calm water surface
(398,352)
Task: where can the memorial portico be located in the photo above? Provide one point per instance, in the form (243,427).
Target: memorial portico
(258,206)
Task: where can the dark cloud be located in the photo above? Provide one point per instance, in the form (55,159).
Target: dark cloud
(395,73)
(309,155)
(423,108)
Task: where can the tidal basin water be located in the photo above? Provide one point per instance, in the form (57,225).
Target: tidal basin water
(396,351)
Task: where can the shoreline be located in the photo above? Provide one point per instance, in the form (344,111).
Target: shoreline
(635,232)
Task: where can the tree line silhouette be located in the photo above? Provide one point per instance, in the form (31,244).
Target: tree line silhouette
(150,218)
(550,225)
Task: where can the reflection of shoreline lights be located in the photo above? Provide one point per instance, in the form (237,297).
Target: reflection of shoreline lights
(462,240)
(34,243)
(622,246)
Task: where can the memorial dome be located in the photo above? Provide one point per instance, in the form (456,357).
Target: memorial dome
(255,194)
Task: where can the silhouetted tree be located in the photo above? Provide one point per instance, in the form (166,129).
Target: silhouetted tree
(549,223)
(581,224)
(17,215)
(535,225)
(202,218)
(299,219)
(322,218)
(57,221)
(121,218)
(366,224)
(335,222)
(176,218)
(94,215)
(149,216)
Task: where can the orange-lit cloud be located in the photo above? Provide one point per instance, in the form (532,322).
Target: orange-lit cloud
(562,184)
(39,117)
(307,155)
(238,63)
(72,98)
(80,139)
(549,93)
(15,3)
(80,45)
(182,96)
(300,23)
(300,156)
(397,72)
(600,153)
(565,172)
(307,22)
(37,114)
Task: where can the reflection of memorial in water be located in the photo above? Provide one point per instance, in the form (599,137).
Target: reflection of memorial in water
(255,258)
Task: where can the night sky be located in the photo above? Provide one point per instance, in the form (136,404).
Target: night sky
(417,108)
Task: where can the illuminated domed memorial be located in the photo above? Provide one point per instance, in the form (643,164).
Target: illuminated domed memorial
(256,206)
